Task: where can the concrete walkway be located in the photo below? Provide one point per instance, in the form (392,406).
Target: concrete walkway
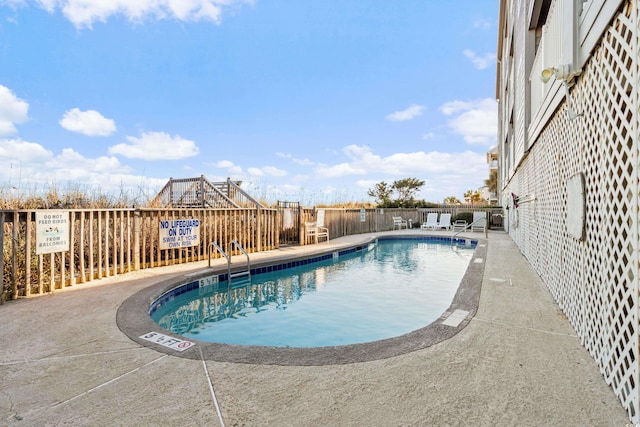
(64,361)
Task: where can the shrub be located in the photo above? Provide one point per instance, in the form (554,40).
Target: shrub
(464,216)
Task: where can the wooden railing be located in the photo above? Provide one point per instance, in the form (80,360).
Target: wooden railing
(345,222)
(108,242)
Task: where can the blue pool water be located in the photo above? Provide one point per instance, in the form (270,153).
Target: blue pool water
(382,291)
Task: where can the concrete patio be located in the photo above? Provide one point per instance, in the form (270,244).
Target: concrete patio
(65,361)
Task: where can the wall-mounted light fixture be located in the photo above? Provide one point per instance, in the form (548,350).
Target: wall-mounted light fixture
(564,74)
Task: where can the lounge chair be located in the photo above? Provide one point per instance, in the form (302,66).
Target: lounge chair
(479,221)
(459,225)
(399,222)
(445,221)
(431,223)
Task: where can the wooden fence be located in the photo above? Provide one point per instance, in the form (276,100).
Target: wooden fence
(344,222)
(109,242)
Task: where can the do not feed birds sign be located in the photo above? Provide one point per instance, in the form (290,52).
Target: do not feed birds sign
(52,231)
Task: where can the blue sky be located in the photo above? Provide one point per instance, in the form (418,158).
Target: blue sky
(314,101)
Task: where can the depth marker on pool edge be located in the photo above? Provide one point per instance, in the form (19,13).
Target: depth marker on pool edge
(167,341)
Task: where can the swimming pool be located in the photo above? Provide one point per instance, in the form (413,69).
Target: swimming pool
(133,319)
(373,292)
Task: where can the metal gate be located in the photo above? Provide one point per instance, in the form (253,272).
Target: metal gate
(289,214)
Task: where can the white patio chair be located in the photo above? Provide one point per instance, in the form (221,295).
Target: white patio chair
(314,231)
(479,221)
(399,222)
(431,223)
(445,221)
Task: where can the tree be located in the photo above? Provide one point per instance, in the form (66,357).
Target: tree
(492,182)
(468,196)
(451,200)
(407,189)
(471,196)
(382,192)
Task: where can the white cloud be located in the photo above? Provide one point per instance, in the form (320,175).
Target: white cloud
(12,3)
(266,170)
(482,24)
(342,169)
(409,113)
(222,164)
(13,111)
(144,186)
(156,146)
(89,122)
(357,169)
(255,171)
(274,171)
(301,162)
(480,62)
(444,173)
(429,135)
(367,183)
(286,189)
(23,151)
(453,107)
(362,161)
(476,121)
(232,168)
(31,168)
(79,166)
(84,13)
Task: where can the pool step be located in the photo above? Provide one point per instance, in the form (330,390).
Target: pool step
(240,279)
(231,275)
(240,282)
(240,274)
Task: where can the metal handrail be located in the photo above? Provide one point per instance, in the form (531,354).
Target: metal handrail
(241,273)
(467,226)
(239,246)
(224,254)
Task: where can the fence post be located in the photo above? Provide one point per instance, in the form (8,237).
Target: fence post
(344,221)
(486,224)
(2,297)
(72,249)
(259,228)
(14,254)
(136,240)
(374,223)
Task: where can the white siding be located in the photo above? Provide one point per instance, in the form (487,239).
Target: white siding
(520,121)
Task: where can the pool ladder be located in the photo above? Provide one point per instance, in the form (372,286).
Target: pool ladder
(466,227)
(241,273)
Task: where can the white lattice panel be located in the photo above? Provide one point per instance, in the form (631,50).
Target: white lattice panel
(595,282)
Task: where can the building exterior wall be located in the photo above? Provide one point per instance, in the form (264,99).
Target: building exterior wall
(593,280)
(519,85)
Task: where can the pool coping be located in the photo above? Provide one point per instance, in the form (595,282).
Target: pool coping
(133,319)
